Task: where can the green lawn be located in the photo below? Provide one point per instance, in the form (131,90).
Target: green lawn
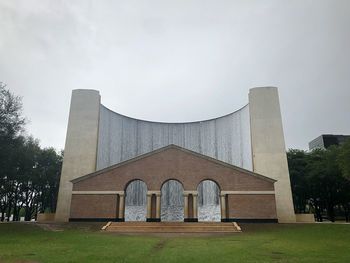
(258,243)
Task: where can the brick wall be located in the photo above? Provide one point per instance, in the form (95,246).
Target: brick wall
(252,206)
(93,206)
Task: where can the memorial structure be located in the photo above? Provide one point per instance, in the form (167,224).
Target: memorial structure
(231,168)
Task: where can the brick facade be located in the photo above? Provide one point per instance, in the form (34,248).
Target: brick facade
(252,206)
(173,162)
(94,206)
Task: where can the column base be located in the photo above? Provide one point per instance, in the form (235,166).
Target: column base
(153,220)
(191,220)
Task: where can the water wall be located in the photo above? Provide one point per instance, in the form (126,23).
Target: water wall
(225,138)
(172,201)
(136,201)
(209,201)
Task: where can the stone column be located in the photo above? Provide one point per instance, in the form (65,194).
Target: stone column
(158,206)
(223,207)
(268,147)
(80,152)
(186,206)
(149,206)
(121,207)
(195,206)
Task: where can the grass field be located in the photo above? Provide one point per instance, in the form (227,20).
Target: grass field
(258,243)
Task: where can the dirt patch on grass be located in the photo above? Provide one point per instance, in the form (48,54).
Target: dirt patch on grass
(50,227)
(25,261)
(56,227)
(160,245)
(261,227)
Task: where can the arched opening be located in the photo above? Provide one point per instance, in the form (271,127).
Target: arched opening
(172,201)
(209,201)
(136,201)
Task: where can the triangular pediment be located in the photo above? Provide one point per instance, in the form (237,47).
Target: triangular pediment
(180,150)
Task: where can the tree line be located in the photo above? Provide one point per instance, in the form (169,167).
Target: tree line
(29,174)
(320,181)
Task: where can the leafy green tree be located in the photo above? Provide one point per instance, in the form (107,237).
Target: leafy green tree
(28,178)
(38,179)
(49,165)
(317,182)
(325,180)
(11,119)
(297,162)
(11,125)
(29,175)
(344,159)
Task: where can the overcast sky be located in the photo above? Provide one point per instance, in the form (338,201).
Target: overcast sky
(179,60)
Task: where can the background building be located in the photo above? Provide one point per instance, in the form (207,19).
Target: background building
(326,140)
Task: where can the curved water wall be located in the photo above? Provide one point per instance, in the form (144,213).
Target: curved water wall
(172,201)
(209,201)
(136,201)
(225,138)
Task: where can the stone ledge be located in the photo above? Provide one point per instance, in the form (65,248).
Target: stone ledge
(305,218)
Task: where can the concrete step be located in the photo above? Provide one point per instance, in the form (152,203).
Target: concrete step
(171,227)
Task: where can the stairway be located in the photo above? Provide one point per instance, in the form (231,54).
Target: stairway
(171,227)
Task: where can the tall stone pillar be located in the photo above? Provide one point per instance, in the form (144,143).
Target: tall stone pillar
(149,206)
(158,206)
(268,147)
(186,207)
(121,214)
(223,207)
(195,207)
(80,150)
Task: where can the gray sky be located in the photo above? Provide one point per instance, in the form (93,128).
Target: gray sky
(179,60)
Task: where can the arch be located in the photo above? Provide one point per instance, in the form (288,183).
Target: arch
(172,201)
(172,179)
(209,208)
(133,180)
(212,180)
(176,123)
(136,200)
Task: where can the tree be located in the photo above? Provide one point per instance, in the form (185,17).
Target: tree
(11,124)
(11,119)
(9,172)
(344,159)
(317,181)
(49,166)
(37,179)
(29,175)
(297,162)
(28,178)
(325,180)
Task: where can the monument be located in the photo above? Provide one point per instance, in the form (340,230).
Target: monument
(231,168)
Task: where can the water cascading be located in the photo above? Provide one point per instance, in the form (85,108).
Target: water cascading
(209,201)
(136,201)
(172,201)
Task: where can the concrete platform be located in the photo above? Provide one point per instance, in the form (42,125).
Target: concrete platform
(172,227)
